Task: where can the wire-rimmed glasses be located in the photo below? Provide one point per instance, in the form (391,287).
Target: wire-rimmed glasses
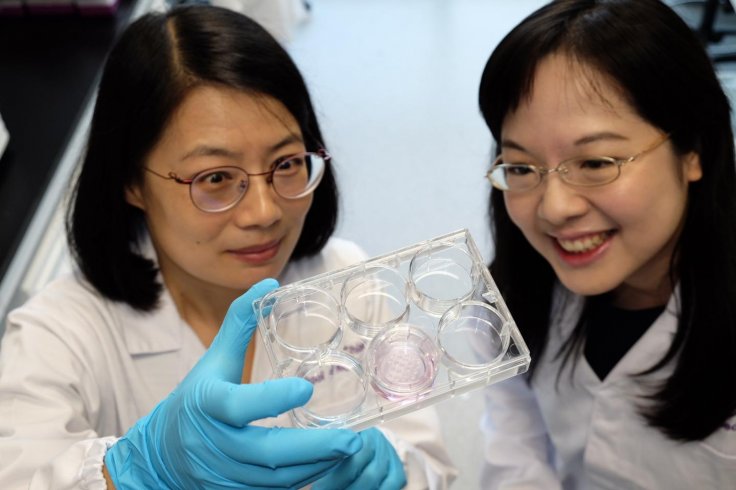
(583,171)
(221,188)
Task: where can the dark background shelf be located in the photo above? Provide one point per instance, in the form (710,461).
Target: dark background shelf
(49,67)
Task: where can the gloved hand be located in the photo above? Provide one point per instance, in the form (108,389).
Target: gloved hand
(375,466)
(199,437)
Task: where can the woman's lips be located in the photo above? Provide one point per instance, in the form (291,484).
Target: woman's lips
(257,254)
(582,250)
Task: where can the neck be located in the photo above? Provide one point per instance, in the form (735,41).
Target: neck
(203,308)
(204,311)
(633,297)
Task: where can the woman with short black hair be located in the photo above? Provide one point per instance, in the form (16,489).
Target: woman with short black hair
(205,174)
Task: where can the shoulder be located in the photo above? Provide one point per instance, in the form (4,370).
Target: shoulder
(67,293)
(336,254)
(72,313)
(68,308)
(63,323)
(343,252)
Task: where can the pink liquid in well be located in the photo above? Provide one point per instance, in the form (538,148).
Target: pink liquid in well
(401,370)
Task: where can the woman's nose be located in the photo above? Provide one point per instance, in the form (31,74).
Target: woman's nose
(560,202)
(260,204)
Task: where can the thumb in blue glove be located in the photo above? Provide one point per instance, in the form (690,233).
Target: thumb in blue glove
(375,466)
(199,437)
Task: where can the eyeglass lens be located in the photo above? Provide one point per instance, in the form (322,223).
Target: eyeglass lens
(586,171)
(219,188)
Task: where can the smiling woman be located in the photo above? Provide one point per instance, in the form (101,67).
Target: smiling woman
(614,222)
(595,236)
(205,174)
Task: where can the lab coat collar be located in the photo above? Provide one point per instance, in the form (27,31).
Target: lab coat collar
(567,307)
(652,346)
(153,332)
(156,331)
(647,351)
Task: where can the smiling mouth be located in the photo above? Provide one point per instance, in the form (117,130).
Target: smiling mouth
(257,255)
(585,244)
(258,248)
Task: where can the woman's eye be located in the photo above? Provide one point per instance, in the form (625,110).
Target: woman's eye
(290,165)
(215,177)
(519,170)
(594,163)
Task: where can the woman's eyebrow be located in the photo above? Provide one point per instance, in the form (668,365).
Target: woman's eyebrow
(209,151)
(585,140)
(603,135)
(512,145)
(286,141)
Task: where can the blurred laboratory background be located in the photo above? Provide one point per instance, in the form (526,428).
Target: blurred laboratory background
(395,86)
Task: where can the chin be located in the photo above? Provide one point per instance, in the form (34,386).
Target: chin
(586,286)
(249,279)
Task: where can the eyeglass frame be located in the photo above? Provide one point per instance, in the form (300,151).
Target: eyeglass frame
(562,169)
(321,152)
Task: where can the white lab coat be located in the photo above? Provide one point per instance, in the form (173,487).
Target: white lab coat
(587,434)
(77,371)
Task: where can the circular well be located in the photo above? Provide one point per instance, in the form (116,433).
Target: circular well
(441,275)
(304,319)
(374,298)
(472,336)
(339,388)
(402,361)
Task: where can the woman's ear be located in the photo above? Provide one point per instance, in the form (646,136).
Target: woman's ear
(692,170)
(134,196)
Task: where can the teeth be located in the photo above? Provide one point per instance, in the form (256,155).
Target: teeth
(583,244)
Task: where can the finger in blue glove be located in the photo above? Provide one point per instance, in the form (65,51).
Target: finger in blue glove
(375,466)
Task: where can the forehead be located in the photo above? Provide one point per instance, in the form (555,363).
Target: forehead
(564,89)
(217,108)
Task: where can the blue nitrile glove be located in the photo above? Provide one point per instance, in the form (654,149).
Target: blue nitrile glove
(199,437)
(375,466)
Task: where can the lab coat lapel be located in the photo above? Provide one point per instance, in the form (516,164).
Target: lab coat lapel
(649,349)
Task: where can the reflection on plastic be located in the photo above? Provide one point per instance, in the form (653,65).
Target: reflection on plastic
(304,320)
(378,285)
(331,371)
(472,336)
(441,276)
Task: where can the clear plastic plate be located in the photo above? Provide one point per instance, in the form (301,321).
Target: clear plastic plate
(392,334)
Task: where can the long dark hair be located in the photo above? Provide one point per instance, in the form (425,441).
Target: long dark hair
(658,62)
(157,61)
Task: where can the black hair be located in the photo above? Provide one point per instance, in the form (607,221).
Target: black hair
(156,62)
(659,64)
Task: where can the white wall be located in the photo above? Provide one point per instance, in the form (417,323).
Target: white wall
(395,83)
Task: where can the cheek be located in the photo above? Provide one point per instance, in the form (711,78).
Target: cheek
(167,205)
(298,210)
(656,205)
(181,225)
(521,210)
(621,205)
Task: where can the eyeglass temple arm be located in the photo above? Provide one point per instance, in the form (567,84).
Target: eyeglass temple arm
(321,151)
(171,176)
